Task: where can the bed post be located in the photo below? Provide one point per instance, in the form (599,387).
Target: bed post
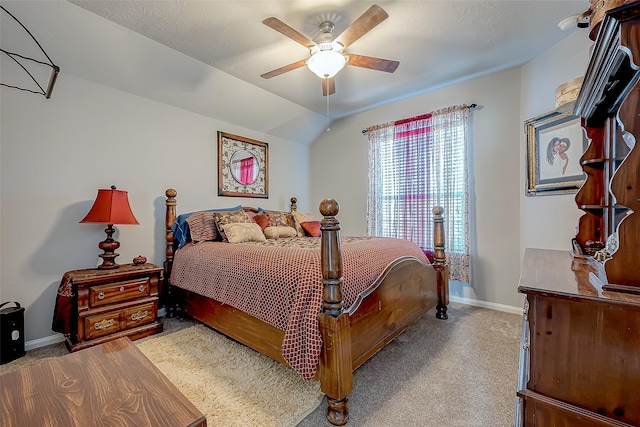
(440,263)
(170,217)
(335,370)
(294,204)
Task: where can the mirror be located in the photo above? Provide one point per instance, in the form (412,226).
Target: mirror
(243,166)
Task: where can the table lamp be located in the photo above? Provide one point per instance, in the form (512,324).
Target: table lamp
(110,207)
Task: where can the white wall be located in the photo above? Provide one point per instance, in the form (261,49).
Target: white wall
(549,221)
(500,228)
(495,192)
(56,154)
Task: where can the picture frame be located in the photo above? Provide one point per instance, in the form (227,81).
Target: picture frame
(243,166)
(555,143)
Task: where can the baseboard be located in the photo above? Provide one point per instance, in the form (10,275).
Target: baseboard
(485,304)
(43,342)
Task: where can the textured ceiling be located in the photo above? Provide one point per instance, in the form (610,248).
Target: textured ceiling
(436,42)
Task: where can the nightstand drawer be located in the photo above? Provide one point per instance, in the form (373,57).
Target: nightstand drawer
(101,324)
(140,315)
(119,291)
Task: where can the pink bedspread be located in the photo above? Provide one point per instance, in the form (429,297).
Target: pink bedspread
(280,282)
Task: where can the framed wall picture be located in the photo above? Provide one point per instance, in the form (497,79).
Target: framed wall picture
(243,167)
(555,144)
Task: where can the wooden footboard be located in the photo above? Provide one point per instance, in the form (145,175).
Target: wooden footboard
(401,295)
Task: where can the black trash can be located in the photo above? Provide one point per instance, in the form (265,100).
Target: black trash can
(11,332)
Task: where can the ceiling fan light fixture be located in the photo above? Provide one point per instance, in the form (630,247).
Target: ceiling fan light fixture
(326,63)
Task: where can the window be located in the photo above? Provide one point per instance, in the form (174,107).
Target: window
(414,165)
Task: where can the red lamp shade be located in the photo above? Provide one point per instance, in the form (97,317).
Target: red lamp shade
(110,207)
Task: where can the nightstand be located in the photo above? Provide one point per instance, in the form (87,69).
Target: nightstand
(94,306)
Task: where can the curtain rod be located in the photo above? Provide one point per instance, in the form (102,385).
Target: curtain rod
(364,131)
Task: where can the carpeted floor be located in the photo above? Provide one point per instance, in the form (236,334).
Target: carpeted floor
(231,384)
(461,372)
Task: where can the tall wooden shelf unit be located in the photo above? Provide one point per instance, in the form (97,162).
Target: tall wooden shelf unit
(609,104)
(580,354)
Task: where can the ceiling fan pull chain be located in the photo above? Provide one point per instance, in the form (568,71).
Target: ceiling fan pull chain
(326,81)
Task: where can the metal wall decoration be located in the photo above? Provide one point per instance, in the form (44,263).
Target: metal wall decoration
(22,62)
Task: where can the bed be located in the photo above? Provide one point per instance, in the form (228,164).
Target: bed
(325,304)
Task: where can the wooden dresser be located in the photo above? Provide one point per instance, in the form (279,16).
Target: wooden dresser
(580,355)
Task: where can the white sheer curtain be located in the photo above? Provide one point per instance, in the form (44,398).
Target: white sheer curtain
(414,165)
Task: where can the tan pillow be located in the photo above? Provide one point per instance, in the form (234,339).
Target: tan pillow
(279,232)
(202,227)
(230,217)
(300,217)
(243,232)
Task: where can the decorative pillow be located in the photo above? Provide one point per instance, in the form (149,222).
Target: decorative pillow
(299,219)
(243,232)
(202,227)
(230,217)
(312,228)
(263,220)
(180,228)
(282,219)
(279,232)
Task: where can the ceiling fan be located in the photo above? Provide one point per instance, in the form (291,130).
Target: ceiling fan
(327,49)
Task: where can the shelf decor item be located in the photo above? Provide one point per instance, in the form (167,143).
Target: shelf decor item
(110,207)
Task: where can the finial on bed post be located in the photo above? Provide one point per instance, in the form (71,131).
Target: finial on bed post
(335,369)
(170,217)
(440,263)
(294,204)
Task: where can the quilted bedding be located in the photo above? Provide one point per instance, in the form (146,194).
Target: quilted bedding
(280,282)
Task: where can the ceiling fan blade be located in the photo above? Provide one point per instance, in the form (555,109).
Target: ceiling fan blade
(284,69)
(283,28)
(378,64)
(328,86)
(372,17)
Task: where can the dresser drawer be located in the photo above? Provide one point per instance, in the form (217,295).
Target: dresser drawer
(101,324)
(118,292)
(139,315)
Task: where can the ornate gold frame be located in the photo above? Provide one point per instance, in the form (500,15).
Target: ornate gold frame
(228,144)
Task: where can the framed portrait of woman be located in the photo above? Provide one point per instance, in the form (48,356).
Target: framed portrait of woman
(555,144)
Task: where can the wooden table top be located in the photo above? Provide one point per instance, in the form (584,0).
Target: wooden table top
(112,384)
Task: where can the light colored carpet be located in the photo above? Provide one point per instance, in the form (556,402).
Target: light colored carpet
(229,383)
(461,372)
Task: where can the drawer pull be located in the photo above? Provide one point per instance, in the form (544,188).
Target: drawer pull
(101,295)
(141,288)
(121,288)
(139,315)
(103,324)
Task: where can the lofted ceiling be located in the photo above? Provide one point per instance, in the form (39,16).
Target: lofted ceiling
(436,42)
